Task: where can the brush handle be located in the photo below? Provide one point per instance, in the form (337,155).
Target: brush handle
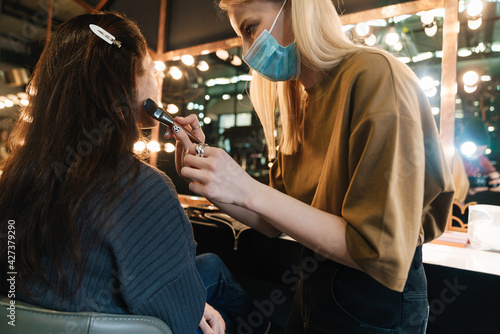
(193,138)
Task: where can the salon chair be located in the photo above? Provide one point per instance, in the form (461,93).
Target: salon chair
(30,319)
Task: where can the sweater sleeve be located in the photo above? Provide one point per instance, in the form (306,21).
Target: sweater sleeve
(154,254)
(394,164)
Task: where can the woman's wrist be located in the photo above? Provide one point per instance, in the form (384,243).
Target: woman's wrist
(250,191)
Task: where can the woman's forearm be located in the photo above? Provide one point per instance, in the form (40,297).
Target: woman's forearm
(270,211)
(249,218)
(222,181)
(319,231)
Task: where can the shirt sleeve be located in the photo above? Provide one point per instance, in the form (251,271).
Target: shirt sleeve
(154,253)
(389,169)
(486,165)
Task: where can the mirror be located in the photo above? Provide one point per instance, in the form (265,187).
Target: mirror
(220,93)
(478,95)
(416,40)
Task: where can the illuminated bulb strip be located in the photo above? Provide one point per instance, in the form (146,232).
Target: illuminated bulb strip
(188,60)
(175,72)
(153,146)
(139,146)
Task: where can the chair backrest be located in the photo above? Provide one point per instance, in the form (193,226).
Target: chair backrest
(32,319)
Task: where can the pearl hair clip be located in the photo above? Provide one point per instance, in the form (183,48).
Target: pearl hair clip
(106,36)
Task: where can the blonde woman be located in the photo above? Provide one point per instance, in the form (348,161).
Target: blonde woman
(359,178)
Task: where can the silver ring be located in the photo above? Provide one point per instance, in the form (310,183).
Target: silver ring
(200,150)
(196,127)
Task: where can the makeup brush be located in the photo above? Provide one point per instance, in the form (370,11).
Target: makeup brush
(162,116)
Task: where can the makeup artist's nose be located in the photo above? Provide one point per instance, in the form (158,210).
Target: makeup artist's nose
(246,46)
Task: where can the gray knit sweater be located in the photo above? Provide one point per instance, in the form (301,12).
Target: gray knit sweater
(145,264)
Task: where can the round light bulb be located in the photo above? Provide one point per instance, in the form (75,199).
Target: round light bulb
(463,52)
(431,92)
(468,148)
(203,66)
(222,54)
(475,24)
(207,120)
(371,40)
(431,31)
(153,146)
(362,29)
(139,146)
(398,46)
(475,8)
(175,72)
(470,78)
(427,83)
(427,18)
(173,109)
(236,61)
(470,89)
(188,60)
(169,147)
(392,37)
(160,66)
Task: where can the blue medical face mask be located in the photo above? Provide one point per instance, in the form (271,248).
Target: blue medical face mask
(271,60)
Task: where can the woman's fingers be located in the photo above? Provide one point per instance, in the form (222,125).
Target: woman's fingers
(215,176)
(214,319)
(197,168)
(205,327)
(193,123)
(494,185)
(169,133)
(182,136)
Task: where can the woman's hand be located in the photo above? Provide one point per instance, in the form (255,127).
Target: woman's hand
(183,142)
(217,176)
(494,180)
(212,322)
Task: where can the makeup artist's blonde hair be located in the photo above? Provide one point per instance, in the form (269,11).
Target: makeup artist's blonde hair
(322,45)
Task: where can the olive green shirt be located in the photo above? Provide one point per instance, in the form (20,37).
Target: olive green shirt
(372,155)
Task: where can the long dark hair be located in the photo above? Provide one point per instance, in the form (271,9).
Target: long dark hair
(67,144)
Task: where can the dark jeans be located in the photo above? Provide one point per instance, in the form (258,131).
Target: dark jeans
(226,295)
(334,299)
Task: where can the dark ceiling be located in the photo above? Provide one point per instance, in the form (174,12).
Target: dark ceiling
(189,22)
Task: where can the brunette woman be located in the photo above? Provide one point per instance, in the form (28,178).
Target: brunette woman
(96,229)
